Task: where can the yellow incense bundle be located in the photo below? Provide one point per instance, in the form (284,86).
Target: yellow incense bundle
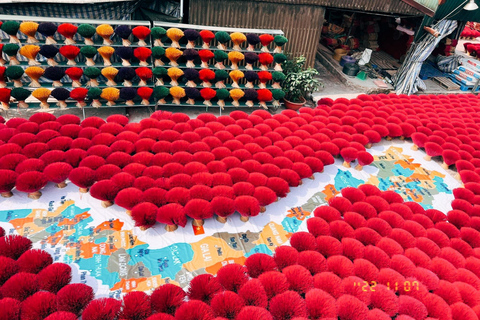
(30,52)
(110,73)
(34,73)
(235,57)
(236,94)
(106,53)
(177,93)
(105,31)
(237,38)
(173,54)
(29,28)
(111,95)
(175,35)
(236,76)
(174,74)
(42,95)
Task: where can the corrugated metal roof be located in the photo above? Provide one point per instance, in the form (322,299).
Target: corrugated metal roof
(453,10)
(385,6)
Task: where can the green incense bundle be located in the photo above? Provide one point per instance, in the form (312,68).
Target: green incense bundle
(11,50)
(279,58)
(21,94)
(220,77)
(277,95)
(222,94)
(277,77)
(220,57)
(157,54)
(89,52)
(279,43)
(87,31)
(157,34)
(222,38)
(11,28)
(92,73)
(160,93)
(14,73)
(160,73)
(94,94)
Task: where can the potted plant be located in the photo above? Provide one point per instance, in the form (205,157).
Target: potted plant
(299,82)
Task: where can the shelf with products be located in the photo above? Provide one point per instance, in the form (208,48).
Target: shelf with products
(73,105)
(62,64)
(44,30)
(212,67)
(68,85)
(243,37)
(228,86)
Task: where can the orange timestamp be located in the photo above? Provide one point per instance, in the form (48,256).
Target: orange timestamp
(395,286)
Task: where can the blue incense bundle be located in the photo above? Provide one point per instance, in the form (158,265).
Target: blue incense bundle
(124,32)
(250,76)
(128,94)
(192,94)
(252,39)
(191,75)
(61,94)
(49,52)
(54,74)
(191,35)
(126,75)
(47,29)
(125,53)
(190,55)
(250,58)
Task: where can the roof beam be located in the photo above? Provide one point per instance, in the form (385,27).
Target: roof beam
(420,7)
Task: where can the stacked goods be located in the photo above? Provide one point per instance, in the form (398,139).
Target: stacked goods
(93,51)
(219,58)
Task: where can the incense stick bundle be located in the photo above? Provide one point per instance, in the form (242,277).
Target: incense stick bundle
(236,95)
(177,93)
(124,33)
(87,31)
(89,52)
(92,73)
(47,29)
(67,30)
(11,50)
(70,53)
(15,74)
(49,52)
(79,95)
(220,57)
(160,93)
(106,53)
(29,28)
(111,95)
(160,73)
(30,52)
(61,94)
(11,28)
(42,95)
(105,31)
(54,74)
(34,73)
(21,94)
(175,35)
(94,94)
(174,74)
(157,54)
(110,73)
(125,53)
(142,33)
(157,34)
(126,75)
(75,74)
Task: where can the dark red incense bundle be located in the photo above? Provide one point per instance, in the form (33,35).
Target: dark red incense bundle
(67,30)
(364,159)
(20,286)
(31,182)
(172,215)
(136,306)
(74,298)
(142,54)
(247,206)
(101,309)
(83,178)
(264,95)
(144,214)
(75,74)
(70,53)
(348,154)
(54,277)
(5,98)
(433,150)
(7,183)
(129,198)
(57,173)
(206,75)
(208,94)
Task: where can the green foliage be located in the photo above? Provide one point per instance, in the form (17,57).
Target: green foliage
(299,81)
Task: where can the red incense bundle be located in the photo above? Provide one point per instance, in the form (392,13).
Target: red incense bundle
(264,96)
(208,94)
(145,74)
(264,77)
(364,159)
(206,75)
(70,52)
(266,39)
(142,33)
(67,30)
(79,94)
(3,83)
(142,54)
(205,56)
(145,93)
(5,98)
(75,74)
(265,59)
(207,36)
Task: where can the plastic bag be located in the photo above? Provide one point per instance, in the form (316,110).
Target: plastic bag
(367,54)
